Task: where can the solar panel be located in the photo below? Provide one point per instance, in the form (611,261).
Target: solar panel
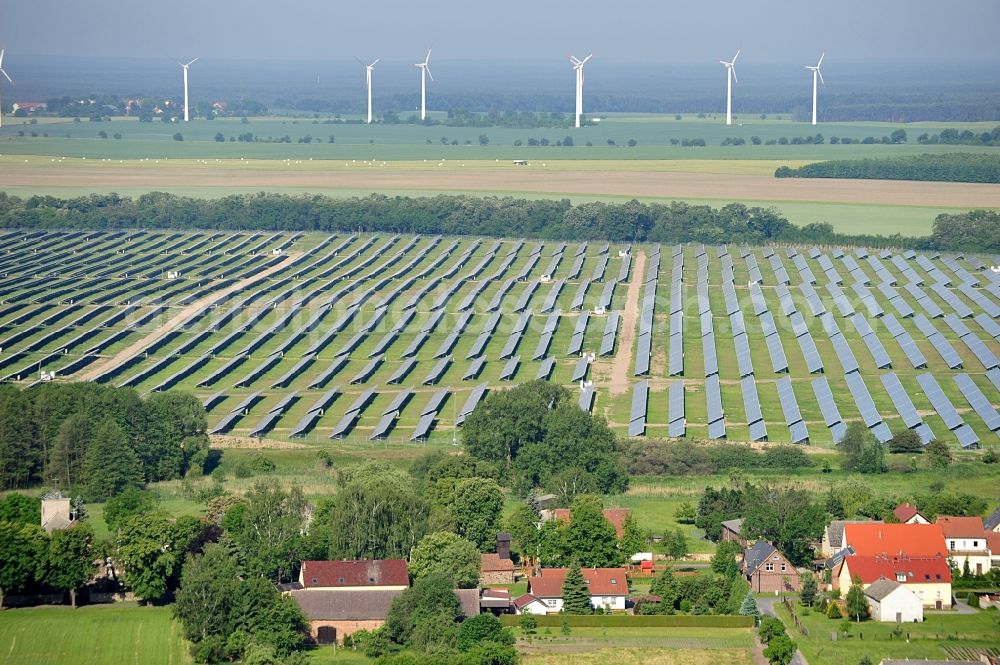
(983,354)
(877,351)
(610,333)
(248,402)
(789,405)
(472,401)
(580,369)
(675,398)
(368,370)
(743,360)
(940,401)
(844,353)
(869,414)
(991,327)
(977,400)
(709,354)
(676,355)
(642,355)
(586,401)
(545,369)
(901,400)
(967,438)
(814,363)
(434,403)
(713,396)
(751,402)
(758,431)
(440,367)
(510,368)
(737,324)
(225,422)
(213,400)
(779,363)
(844,305)
(637,420)
(757,298)
(707,325)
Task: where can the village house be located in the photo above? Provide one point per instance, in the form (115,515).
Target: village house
(768,570)
(992,521)
(966,540)
(732,530)
(914,540)
(381,574)
(493,569)
(29,107)
(833,536)
(608,588)
(57,512)
(908,514)
(927,577)
(891,601)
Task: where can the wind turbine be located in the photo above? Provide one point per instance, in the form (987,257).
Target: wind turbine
(185,67)
(730,77)
(6,76)
(368,83)
(816,73)
(425,71)
(578,67)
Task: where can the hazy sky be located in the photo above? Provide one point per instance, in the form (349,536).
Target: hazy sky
(616,30)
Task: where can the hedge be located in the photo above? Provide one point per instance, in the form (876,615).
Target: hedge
(636,621)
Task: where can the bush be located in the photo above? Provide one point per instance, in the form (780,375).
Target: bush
(833,611)
(906,441)
(178,136)
(527,623)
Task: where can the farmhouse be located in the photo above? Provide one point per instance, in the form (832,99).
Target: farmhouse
(386,574)
(608,588)
(967,543)
(833,536)
(891,601)
(768,570)
(914,540)
(908,514)
(29,107)
(732,530)
(614,515)
(928,577)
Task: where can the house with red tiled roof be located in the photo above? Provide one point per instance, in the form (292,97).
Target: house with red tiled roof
(382,574)
(967,543)
(908,514)
(608,588)
(495,569)
(914,540)
(614,515)
(929,577)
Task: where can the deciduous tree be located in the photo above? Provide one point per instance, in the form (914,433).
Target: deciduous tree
(447,553)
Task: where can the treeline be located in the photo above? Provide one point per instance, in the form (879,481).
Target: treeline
(976,230)
(964,137)
(954,167)
(631,221)
(94,441)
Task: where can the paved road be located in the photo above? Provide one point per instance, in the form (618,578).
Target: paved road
(766,607)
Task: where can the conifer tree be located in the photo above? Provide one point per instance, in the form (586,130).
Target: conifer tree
(576,597)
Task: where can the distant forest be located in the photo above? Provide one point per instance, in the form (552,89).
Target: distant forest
(942,168)
(632,221)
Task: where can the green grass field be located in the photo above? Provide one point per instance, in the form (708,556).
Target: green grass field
(942,635)
(111,635)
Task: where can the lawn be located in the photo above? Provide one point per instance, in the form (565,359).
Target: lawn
(118,634)
(942,635)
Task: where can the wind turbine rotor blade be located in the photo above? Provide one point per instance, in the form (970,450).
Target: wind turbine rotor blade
(428,70)
(428,58)
(820,76)
(192,62)
(2,51)
(360,61)
(733,70)
(375,62)
(821,56)
(7,76)
(735,56)
(587,58)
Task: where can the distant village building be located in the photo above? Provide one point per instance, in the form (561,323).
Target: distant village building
(966,540)
(614,515)
(768,570)
(732,530)
(608,588)
(833,535)
(890,601)
(493,569)
(29,107)
(907,514)
(57,512)
(927,577)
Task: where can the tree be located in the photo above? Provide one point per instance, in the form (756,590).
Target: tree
(748,607)
(857,604)
(633,537)
(425,616)
(178,136)
(445,552)
(521,524)
(780,650)
(220,138)
(480,629)
(70,559)
(809,588)
(22,548)
(724,560)
(898,136)
(65,463)
(938,454)
(483,139)
(146,550)
(111,464)
(590,537)
(667,588)
(476,510)
(786,516)
(209,586)
(906,441)
(174,434)
(576,597)
(267,529)
(20,509)
(379,516)
(685,513)
(675,544)
(129,502)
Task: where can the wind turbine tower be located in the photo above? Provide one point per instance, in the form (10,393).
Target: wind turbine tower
(578,67)
(425,71)
(816,74)
(6,76)
(185,68)
(730,77)
(368,83)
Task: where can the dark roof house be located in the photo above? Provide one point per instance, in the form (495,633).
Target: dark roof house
(372,573)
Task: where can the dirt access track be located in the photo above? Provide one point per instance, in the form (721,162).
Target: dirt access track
(536,178)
